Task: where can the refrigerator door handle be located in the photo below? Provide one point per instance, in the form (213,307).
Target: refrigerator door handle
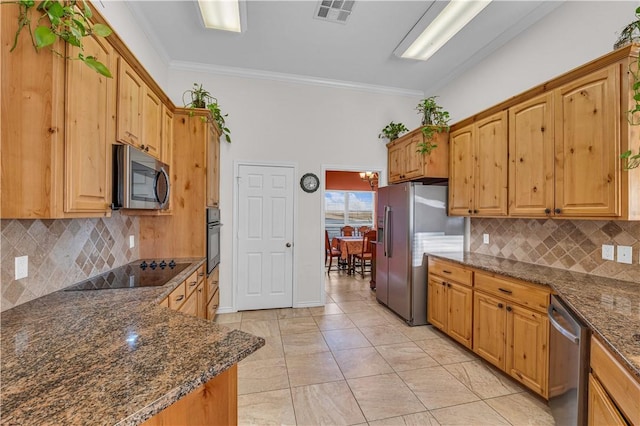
(387,231)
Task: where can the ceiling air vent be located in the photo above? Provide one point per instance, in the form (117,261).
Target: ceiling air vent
(334,10)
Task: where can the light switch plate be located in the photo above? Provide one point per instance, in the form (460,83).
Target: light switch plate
(607,252)
(485,238)
(132,241)
(624,254)
(22,267)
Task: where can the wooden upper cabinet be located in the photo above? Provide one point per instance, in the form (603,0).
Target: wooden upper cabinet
(166,150)
(152,124)
(478,171)
(490,195)
(461,171)
(531,157)
(130,104)
(213,167)
(57,126)
(588,145)
(405,163)
(90,131)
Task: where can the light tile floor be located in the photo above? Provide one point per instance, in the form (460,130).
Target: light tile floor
(353,362)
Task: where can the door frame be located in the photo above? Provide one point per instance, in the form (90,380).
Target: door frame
(382,181)
(236,209)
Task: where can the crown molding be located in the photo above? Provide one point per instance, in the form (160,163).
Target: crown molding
(292,78)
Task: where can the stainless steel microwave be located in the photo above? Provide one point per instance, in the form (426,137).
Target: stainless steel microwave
(139,180)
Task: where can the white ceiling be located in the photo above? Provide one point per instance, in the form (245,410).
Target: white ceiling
(283,37)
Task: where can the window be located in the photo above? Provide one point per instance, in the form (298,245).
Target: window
(354,208)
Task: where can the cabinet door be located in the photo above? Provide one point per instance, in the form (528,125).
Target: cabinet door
(437,303)
(190,307)
(490,179)
(396,162)
(489,327)
(201,310)
(152,124)
(460,313)
(602,411)
(531,162)
(413,161)
(130,100)
(527,348)
(212,305)
(588,145)
(89,132)
(461,172)
(213,168)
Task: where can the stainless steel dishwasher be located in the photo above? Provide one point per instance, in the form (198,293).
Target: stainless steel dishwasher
(568,365)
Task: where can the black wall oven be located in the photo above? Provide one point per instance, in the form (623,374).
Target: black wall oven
(213,238)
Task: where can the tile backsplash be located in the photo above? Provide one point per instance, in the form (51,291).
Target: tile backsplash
(575,245)
(62,252)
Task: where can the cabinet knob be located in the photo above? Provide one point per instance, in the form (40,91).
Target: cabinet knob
(509,309)
(444,283)
(475,211)
(142,147)
(500,305)
(470,211)
(558,211)
(147,149)
(547,210)
(449,285)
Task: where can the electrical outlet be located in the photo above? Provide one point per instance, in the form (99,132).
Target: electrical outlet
(132,241)
(624,254)
(485,238)
(22,267)
(607,252)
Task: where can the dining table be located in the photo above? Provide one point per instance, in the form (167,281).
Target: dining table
(349,246)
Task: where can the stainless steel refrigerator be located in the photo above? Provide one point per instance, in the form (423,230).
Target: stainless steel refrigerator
(412,220)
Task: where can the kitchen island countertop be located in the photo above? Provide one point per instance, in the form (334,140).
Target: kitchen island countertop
(108,356)
(610,307)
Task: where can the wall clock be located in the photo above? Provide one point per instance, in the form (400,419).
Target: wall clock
(309,182)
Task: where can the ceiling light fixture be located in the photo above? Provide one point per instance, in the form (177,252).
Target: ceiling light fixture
(370,177)
(448,23)
(223,14)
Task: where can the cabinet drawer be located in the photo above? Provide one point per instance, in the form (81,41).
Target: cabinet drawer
(450,271)
(190,307)
(212,283)
(192,282)
(619,384)
(178,296)
(517,291)
(212,306)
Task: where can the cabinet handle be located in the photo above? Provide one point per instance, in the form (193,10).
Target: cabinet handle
(179,298)
(445,271)
(509,309)
(200,274)
(500,305)
(131,135)
(558,211)
(193,283)
(547,210)
(504,290)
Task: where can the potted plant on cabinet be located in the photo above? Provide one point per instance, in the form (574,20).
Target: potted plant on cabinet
(435,120)
(69,21)
(392,131)
(201,98)
(631,34)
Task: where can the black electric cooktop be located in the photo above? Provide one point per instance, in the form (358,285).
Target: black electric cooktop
(135,274)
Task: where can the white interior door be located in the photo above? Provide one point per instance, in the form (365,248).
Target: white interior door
(265,237)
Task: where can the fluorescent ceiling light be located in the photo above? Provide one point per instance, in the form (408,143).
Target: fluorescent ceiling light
(448,23)
(221,14)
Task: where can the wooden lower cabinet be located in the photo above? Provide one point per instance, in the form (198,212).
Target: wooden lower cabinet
(514,339)
(190,307)
(450,307)
(214,403)
(602,411)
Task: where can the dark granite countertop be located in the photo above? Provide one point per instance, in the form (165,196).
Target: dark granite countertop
(610,307)
(108,356)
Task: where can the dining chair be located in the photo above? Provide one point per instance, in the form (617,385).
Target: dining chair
(347,231)
(365,255)
(330,252)
(364,229)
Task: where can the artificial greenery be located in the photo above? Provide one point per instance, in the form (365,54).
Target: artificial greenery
(392,131)
(201,98)
(630,161)
(434,120)
(68,21)
(630,33)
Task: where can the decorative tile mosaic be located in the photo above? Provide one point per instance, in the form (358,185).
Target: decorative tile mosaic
(574,245)
(61,252)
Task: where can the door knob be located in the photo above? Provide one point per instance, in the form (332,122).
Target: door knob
(288,244)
